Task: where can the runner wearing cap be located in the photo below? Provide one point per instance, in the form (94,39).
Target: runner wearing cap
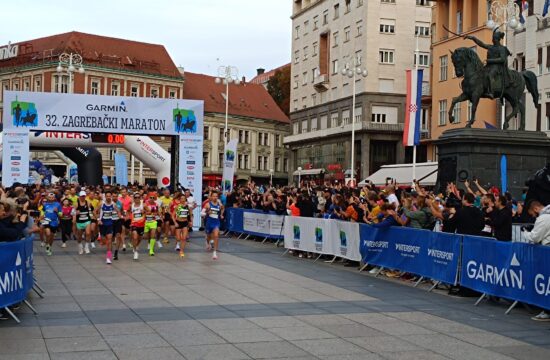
(83,220)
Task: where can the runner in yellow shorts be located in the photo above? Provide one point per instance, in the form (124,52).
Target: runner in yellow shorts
(151,213)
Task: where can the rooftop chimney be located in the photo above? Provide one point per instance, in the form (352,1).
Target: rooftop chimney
(260,71)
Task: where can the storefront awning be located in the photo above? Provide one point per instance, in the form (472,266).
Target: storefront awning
(426,174)
(308,172)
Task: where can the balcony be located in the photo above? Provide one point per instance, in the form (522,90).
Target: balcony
(426,91)
(321,82)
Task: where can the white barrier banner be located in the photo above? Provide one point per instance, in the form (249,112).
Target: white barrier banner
(344,240)
(104,114)
(308,234)
(229,162)
(268,224)
(15,157)
(190,170)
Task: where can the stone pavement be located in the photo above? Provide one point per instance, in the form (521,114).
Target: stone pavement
(252,304)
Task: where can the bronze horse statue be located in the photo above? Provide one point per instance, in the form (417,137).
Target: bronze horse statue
(475,86)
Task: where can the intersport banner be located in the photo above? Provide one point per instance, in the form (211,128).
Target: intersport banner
(514,271)
(229,162)
(308,234)
(434,255)
(103,114)
(15,156)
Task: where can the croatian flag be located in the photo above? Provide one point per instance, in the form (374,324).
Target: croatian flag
(411,133)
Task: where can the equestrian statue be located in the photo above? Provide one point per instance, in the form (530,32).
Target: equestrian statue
(494,80)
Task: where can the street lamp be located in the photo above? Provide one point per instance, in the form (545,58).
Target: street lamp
(270,177)
(352,70)
(68,64)
(500,14)
(299,176)
(227,74)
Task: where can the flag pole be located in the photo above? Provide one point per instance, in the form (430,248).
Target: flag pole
(416,51)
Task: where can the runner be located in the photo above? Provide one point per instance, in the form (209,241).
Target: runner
(94,198)
(126,201)
(151,215)
(182,216)
(213,212)
(67,214)
(50,220)
(168,223)
(83,220)
(137,223)
(105,213)
(117,227)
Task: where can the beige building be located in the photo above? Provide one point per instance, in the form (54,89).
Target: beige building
(327,34)
(530,49)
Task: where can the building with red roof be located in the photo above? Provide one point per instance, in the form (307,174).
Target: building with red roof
(262,76)
(121,67)
(254,119)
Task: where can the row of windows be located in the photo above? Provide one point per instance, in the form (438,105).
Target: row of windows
(25,84)
(244,136)
(418,2)
(387,26)
(443,117)
(115,89)
(298,29)
(243,162)
(322,122)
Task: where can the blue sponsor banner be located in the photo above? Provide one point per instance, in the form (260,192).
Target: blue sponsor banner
(434,255)
(15,271)
(255,222)
(514,271)
(121,169)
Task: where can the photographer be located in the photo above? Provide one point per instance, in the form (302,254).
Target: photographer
(13,222)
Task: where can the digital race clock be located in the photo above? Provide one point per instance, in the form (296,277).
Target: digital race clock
(108,138)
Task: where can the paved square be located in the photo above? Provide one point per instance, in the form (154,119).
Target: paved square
(252,304)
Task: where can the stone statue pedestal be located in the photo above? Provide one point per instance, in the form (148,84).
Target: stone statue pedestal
(476,153)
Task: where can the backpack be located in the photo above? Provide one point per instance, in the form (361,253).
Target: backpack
(430,220)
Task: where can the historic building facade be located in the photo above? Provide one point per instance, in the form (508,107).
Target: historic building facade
(327,34)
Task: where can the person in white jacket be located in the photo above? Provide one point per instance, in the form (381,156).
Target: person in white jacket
(541,231)
(539,235)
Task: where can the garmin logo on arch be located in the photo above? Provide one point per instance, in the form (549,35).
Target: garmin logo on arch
(110,108)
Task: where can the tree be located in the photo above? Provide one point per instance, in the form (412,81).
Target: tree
(278,86)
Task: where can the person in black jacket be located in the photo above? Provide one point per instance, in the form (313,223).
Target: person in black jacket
(12,226)
(469,219)
(502,219)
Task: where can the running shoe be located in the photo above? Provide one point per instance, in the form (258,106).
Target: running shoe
(64,245)
(177,247)
(182,254)
(115,257)
(124,247)
(136,255)
(80,249)
(543,316)
(93,244)
(86,248)
(42,244)
(214,255)
(108,261)
(159,244)
(48,250)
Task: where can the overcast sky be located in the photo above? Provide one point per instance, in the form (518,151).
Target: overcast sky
(200,35)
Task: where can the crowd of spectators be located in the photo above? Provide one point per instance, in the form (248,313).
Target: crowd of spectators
(468,210)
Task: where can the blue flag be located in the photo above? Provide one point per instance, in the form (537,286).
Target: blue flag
(545,8)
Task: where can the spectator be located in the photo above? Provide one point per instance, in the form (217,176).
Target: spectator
(502,219)
(539,235)
(468,219)
(12,225)
(422,217)
(306,206)
(389,217)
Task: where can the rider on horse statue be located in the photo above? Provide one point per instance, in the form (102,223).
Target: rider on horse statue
(496,69)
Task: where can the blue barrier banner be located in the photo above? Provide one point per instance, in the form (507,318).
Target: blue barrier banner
(434,255)
(514,271)
(255,222)
(15,271)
